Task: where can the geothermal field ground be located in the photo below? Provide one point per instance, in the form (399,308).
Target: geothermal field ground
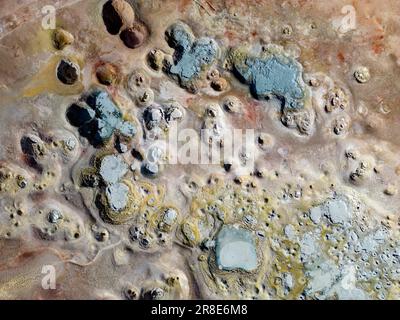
(199,149)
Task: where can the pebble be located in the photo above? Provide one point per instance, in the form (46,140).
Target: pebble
(149,169)
(173,112)
(232,104)
(219,84)
(62,38)
(107,73)
(116,14)
(153,117)
(68,72)
(390,190)
(362,74)
(54,216)
(79,114)
(316,214)
(156,59)
(134,36)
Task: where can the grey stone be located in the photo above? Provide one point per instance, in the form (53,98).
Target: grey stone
(55,216)
(316,214)
(117,196)
(273,76)
(112,168)
(338,212)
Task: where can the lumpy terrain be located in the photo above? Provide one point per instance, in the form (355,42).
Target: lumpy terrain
(115,113)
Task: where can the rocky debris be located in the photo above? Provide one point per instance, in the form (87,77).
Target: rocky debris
(138,79)
(89,178)
(136,232)
(22,182)
(213,74)
(361,172)
(68,72)
(140,235)
(62,38)
(213,126)
(213,131)
(33,146)
(100,234)
(144,97)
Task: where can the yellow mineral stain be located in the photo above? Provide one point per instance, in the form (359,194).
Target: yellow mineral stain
(46,80)
(42,42)
(9,289)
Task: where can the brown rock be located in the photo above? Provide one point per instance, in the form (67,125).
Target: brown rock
(134,36)
(107,73)
(62,38)
(117,14)
(219,84)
